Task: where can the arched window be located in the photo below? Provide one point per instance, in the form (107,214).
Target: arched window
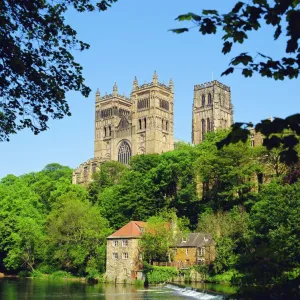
(124,153)
(203,128)
(145,123)
(209,99)
(203,100)
(104,131)
(208,125)
(162,124)
(109,130)
(167,125)
(140,124)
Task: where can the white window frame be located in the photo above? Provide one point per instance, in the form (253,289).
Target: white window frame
(115,243)
(125,255)
(124,243)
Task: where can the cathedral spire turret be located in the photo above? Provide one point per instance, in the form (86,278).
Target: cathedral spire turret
(171,85)
(135,83)
(97,95)
(155,78)
(115,89)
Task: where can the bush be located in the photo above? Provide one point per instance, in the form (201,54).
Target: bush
(61,275)
(36,274)
(46,269)
(161,274)
(24,273)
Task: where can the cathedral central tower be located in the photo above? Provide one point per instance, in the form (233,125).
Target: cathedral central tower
(212,109)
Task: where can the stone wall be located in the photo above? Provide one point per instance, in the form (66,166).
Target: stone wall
(124,268)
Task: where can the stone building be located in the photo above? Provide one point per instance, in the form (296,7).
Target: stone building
(196,248)
(140,124)
(123,258)
(212,109)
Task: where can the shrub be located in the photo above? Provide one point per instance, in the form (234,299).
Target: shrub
(61,275)
(161,274)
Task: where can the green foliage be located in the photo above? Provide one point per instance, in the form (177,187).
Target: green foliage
(282,15)
(61,275)
(160,234)
(47,224)
(161,274)
(77,235)
(273,243)
(38,67)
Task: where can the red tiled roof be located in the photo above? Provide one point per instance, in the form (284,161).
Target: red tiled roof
(132,229)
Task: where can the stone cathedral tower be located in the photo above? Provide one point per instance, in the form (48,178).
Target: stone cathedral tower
(124,127)
(212,109)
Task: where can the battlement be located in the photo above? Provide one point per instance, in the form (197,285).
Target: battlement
(112,96)
(151,84)
(211,84)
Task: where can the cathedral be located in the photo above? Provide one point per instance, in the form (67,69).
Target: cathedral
(144,122)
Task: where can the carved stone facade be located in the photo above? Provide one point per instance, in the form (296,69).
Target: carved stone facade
(124,127)
(212,109)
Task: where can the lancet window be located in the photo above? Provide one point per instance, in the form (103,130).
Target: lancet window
(124,153)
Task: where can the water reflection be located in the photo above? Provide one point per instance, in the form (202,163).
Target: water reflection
(13,289)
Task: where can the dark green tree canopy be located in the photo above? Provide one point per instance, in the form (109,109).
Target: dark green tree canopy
(283,15)
(37,67)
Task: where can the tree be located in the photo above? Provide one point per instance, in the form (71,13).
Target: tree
(21,225)
(77,235)
(284,16)
(36,66)
(160,234)
(272,254)
(228,230)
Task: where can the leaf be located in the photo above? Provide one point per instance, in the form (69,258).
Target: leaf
(277,32)
(227,47)
(237,7)
(179,30)
(188,17)
(228,71)
(209,12)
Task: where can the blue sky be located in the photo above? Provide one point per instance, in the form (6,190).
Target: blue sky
(132,39)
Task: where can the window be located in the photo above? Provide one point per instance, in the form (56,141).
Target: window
(85,171)
(115,255)
(115,243)
(109,130)
(208,125)
(203,128)
(104,131)
(125,243)
(140,124)
(124,153)
(209,99)
(252,143)
(184,239)
(145,123)
(201,251)
(167,125)
(187,251)
(125,255)
(203,100)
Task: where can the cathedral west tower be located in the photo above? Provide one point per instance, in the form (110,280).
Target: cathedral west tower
(212,109)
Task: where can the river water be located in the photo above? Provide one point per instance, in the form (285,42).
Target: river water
(39,289)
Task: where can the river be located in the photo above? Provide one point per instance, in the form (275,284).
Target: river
(27,289)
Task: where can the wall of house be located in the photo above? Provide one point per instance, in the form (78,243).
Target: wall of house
(185,257)
(122,269)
